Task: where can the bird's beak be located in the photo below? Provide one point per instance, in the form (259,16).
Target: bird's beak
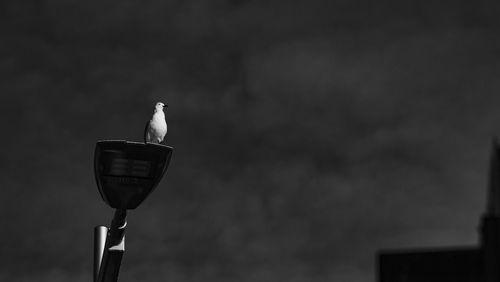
(165,106)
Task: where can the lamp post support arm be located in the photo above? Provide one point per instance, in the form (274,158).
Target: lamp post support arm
(114,248)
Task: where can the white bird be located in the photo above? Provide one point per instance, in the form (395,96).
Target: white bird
(156,128)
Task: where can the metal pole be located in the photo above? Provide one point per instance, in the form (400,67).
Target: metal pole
(114,248)
(100,234)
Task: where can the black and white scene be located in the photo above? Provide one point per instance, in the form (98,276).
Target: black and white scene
(250,141)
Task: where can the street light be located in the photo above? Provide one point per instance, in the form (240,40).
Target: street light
(126,173)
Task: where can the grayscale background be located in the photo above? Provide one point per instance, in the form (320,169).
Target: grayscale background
(308,135)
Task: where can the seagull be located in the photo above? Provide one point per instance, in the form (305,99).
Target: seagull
(156,128)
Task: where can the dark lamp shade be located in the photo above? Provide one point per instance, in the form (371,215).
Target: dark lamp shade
(127,172)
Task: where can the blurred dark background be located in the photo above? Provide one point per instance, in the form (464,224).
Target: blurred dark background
(307,134)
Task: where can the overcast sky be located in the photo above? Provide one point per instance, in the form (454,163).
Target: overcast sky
(308,135)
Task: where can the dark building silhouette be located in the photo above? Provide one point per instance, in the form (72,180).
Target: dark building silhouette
(463,264)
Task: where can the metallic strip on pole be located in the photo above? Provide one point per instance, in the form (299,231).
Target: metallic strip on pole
(114,248)
(100,234)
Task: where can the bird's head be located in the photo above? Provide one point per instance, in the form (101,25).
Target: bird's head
(159,106)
